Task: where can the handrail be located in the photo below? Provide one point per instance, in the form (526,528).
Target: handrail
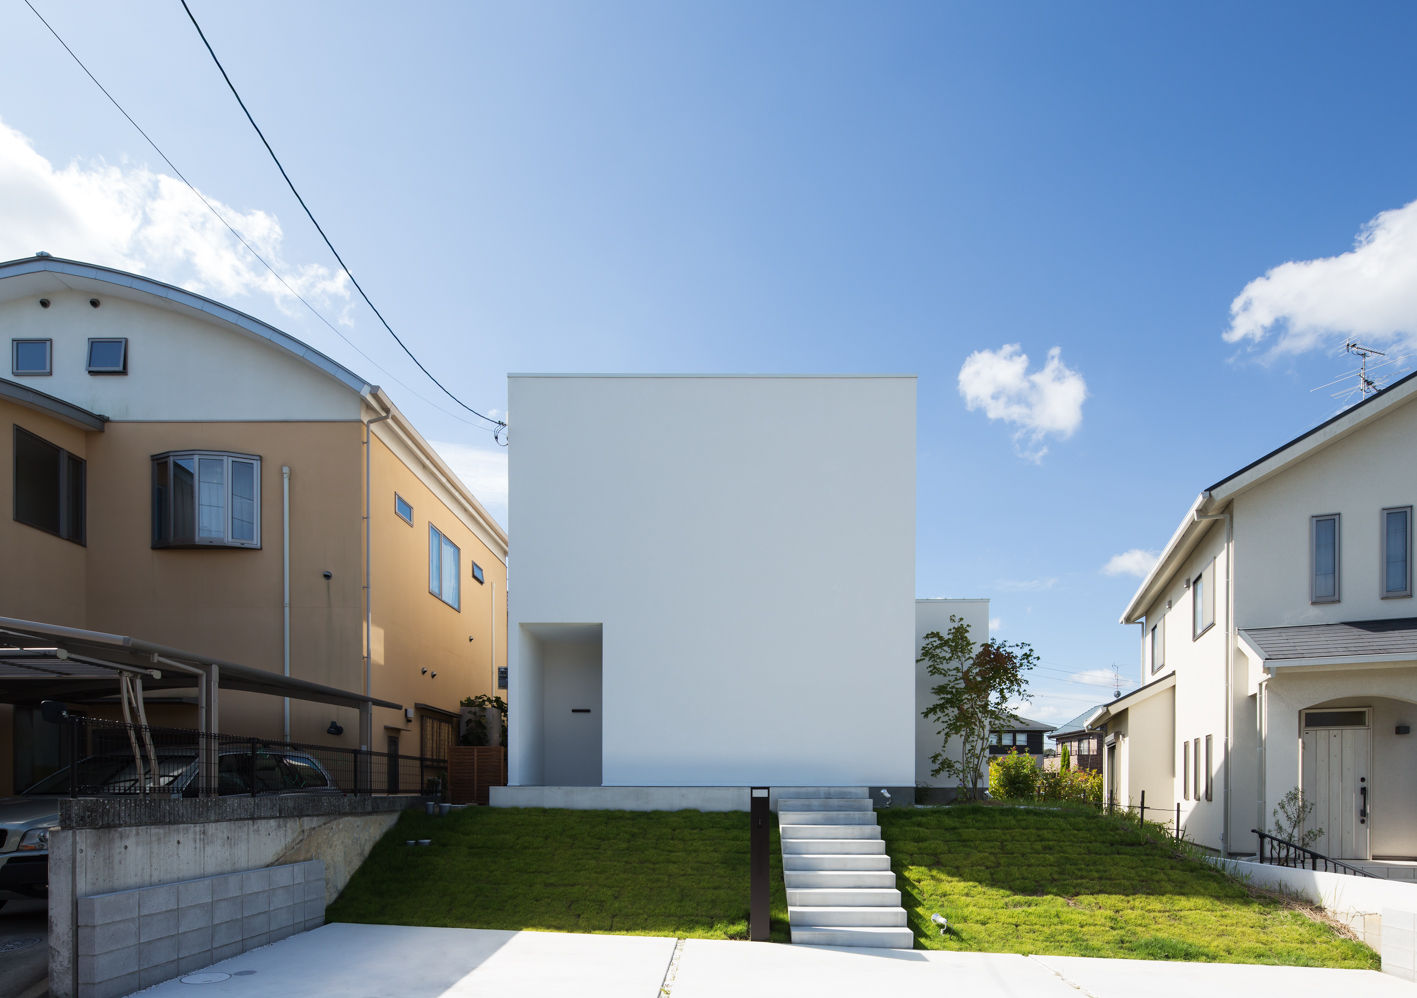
(1282,852)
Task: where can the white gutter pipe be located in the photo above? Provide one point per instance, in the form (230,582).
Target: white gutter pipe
(285,579)
(1230,640)
(368,736)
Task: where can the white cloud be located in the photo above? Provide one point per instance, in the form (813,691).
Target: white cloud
(1096,677)
(996,624)
(133,218)
(1134,562)
(1046,403)
(483,470)
(1369,292)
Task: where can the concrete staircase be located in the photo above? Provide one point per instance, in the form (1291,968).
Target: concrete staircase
(840,888)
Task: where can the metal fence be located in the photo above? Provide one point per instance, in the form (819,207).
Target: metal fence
(112,758)
(1281,852)
(1166,819)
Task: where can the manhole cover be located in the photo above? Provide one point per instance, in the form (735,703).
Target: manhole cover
(210,978)
(19,942)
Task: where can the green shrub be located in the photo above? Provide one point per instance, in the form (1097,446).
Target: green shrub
(1078,786)
(1013,777)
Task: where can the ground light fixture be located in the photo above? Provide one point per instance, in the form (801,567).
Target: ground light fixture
(942,922)
(885,797)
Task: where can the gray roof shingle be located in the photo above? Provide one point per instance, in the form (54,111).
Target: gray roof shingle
(1395,638)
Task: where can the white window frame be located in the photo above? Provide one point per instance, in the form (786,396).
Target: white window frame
(1314,522)
(1158,645)
(398,499)
(163,534)
(1406,591)
(1203,601)
(15,357)
(436,554)
(122,367)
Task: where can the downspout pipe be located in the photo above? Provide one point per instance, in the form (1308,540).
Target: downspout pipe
(285,579)
(1229,632)
(367,736)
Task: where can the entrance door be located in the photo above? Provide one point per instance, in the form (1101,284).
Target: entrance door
(1336,757)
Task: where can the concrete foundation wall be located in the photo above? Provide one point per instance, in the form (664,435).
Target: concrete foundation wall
(134,939)
(668,798)
(130,845)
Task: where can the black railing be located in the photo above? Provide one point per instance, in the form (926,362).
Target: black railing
(103,758)
(1281,852)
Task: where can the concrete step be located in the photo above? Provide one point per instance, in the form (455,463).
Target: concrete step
(835,862)
(850,915)
(795,831)
(824,804)
(843,897)
(826,817)
(881,937)
(835,847)
(833,876)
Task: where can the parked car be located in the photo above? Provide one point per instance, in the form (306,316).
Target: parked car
(25,820)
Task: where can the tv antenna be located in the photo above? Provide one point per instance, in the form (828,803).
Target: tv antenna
(1367,383)
(1116,681)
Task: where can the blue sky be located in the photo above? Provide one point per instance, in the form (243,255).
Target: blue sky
(938,189)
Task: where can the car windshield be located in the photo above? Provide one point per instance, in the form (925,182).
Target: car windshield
(111,774)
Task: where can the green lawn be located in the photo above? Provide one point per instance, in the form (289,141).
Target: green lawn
(1075,883)
(682,873)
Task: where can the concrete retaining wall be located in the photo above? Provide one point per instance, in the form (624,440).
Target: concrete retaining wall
(1361,903)
(134,939)
(107,846)
(667,798)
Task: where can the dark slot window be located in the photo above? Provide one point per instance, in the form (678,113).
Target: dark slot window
(1336,719)
(477,573)
(49,487)
(1397,552)
(1323,559)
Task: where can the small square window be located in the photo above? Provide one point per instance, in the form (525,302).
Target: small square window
(403,509)
(108,356)
(30,357)
(477,573)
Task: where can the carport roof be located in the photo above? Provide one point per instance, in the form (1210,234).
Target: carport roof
(40,661)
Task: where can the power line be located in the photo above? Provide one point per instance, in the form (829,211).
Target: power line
(498,424)
(231,228)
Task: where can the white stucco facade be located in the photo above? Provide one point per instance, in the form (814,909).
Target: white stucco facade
(934,615)
(713,580)
(1246,685)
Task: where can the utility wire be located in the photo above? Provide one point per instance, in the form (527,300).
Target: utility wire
(498,424)
(231,228)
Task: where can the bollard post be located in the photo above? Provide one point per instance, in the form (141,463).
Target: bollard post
(759,908)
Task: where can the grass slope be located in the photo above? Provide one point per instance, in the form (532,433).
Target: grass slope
(681,873)
(1074,883)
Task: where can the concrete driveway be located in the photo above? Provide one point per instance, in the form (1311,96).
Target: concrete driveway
(393,961)
(24,949)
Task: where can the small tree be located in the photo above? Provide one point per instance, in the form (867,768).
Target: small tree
(1066,762)
(1013,777)
(1292,815)
(976,684)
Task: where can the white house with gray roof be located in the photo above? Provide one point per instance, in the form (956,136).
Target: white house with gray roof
(1279,646)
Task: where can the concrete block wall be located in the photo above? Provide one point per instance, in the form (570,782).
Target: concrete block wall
(136,938)
(1400,944)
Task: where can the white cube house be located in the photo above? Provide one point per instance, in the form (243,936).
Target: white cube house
(712,583)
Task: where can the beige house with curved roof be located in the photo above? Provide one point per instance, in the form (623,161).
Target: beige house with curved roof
(157,450)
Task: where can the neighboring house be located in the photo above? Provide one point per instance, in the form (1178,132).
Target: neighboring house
(1084,746)
(934,615)
(1279,641)
(152,442)
(714,581)
(1019,735)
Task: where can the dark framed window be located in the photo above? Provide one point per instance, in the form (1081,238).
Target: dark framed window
(206,499)
(1209,768)
(403,509)
(1196,769)
(31,357)
(477,575)
(1397,552)
(1158,645)
(1323,558)
(108,355)
(1185,770)
(1336,718)
(1203,601)
(443,560)
(50,487)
